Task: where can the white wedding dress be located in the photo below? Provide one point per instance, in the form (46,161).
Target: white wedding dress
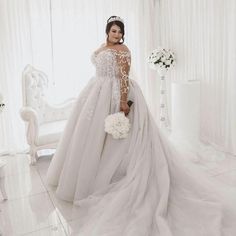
(138,186)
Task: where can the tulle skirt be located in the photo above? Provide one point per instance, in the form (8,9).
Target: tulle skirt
(137,186)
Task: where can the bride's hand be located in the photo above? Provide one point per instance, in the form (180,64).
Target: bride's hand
(124,107)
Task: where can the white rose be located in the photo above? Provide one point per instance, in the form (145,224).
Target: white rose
(163,59)
(168,55)
(168,62)
(117,125)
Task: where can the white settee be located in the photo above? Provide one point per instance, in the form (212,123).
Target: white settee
(44,122)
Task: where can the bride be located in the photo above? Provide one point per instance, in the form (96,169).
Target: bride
(139,185)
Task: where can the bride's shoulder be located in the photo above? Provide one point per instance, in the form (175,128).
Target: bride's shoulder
(122,47)
(101,47)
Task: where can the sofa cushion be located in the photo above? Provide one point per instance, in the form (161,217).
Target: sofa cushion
(50,132)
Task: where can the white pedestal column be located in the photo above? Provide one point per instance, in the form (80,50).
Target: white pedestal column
(186,111)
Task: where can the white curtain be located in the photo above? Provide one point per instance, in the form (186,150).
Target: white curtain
(218,85)
(58,37)
(203,35)
(15,52)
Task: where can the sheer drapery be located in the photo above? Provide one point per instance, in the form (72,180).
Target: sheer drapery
(218,85)
(203,35)
(58,37)
(15,52)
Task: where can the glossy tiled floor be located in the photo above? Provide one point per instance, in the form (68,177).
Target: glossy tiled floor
(32,208)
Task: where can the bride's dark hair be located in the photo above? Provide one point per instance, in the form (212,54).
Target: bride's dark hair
(118,23)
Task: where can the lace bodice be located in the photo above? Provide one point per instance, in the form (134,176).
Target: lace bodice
(113,66)
(109,62)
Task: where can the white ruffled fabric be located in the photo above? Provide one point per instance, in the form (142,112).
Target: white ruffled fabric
(138,186)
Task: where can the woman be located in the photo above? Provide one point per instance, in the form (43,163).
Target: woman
(137,186)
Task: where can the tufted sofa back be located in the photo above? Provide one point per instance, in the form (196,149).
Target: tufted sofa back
(34,86)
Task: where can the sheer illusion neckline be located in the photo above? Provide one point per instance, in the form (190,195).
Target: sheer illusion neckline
(112,49)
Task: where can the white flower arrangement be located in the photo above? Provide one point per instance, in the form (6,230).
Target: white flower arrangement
(161,60)
(2,105)
(117,125)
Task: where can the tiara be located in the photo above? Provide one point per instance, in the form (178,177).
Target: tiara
(115,18)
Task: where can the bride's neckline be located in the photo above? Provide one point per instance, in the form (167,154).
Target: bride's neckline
(108,48)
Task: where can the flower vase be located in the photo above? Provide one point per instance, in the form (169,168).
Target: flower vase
(162,60)
(164,118)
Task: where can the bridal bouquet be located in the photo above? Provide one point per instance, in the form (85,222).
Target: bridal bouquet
(2,105)
(117,125)
(161,60)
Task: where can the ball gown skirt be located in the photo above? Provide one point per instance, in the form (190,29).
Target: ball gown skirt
(137,186)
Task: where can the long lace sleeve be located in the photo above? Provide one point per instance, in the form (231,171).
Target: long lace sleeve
(124,62)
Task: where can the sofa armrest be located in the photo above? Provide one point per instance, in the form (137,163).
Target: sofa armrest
(30,116)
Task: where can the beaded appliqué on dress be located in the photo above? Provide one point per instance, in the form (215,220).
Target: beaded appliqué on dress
(110,64)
